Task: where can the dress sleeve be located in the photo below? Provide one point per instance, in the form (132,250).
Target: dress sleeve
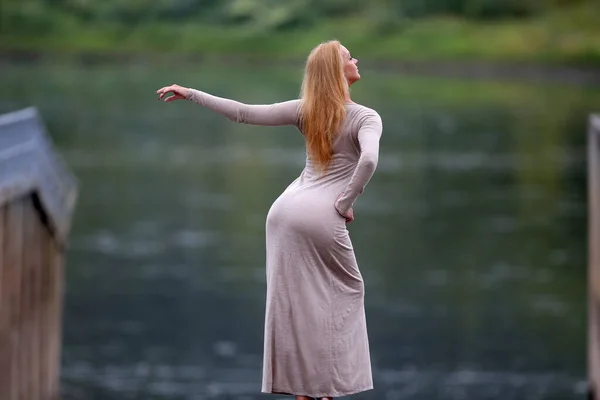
(369,134)
(277,114)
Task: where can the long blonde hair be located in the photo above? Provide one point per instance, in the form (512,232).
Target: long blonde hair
(324,92)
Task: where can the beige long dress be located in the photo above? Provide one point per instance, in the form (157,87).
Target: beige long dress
(315,341)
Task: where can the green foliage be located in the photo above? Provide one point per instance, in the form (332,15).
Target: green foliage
(266,15)
(263,14)
(493,9)
(32,17)
(472,9)
(515,30)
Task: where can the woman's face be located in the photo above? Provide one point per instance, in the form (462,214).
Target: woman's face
(350,68)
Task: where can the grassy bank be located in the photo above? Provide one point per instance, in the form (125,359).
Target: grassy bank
(568,35)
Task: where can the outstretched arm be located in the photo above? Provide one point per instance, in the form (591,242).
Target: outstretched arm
(285,113)
(368,139)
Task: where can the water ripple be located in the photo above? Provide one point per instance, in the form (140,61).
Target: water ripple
(409,383)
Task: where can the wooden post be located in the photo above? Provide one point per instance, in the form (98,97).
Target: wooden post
(13,267)
(594,257)
(37,199)
(4,314)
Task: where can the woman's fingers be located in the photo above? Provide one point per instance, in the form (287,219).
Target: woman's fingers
(167,88)
(174,97)
(350,216)
(162,92)
(175,89)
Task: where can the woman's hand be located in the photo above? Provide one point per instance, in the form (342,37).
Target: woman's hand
(179,93)
(349,215)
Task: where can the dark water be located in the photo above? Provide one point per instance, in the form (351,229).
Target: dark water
(471,235)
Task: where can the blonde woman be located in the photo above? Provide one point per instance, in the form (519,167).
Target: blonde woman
(315,338)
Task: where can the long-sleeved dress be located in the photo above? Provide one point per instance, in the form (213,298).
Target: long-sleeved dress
(315,334)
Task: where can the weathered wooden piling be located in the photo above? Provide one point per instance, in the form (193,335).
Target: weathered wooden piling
(37,198)
(594,257)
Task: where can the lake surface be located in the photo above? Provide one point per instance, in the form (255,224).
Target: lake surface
(471,236)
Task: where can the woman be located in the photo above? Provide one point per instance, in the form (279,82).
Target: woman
(315,343)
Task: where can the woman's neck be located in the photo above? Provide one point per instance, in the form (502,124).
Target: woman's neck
(348,99)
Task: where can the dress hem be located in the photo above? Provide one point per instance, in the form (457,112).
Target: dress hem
(318,395)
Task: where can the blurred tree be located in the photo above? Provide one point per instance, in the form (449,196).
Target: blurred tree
(488,9)
(565,2)
(267,15)
(30,16)
(42,16)
(136,10)
(337,8)
(386,16)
